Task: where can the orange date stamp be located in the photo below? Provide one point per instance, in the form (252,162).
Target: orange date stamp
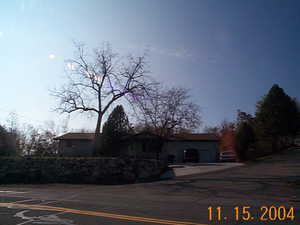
(247,213)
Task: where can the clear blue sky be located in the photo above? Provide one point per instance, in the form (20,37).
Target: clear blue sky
(229,53)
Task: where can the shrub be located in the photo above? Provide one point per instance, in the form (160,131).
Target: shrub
(244,139)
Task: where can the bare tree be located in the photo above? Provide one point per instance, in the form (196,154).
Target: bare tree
(168,110)
(29,136)
(13,130)
(220,129)
(227,125)
(212,130)
(12,122)
(97,80)
(65,124)
(38,140)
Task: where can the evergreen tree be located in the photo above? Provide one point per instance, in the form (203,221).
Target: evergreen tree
(277,115)
(116,127)
(244,117)
(244,138)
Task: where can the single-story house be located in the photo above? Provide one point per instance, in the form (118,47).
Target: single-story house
(75,144)
(178,148)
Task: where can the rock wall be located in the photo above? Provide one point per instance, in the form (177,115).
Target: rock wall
(78,170)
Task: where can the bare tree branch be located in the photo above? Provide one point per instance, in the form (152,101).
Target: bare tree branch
(168,110)
(96,80)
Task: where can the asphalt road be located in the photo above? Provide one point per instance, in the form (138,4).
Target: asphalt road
(270,182)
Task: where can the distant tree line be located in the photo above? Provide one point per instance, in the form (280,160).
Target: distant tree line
(7,143)
(28,140)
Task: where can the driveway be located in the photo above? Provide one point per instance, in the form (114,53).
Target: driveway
(179,170)
(183,200)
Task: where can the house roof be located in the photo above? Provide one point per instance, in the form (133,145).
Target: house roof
(76,136)
(180,137)
(194,137)
(141,135)
(176,137)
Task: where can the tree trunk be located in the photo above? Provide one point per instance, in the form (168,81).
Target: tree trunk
(97,138)
(98,127)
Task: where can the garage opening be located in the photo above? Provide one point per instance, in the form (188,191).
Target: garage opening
(191,155)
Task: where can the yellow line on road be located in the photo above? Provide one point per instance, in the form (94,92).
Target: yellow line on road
(98,214)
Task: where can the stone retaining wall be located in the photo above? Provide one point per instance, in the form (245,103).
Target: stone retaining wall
(78,170)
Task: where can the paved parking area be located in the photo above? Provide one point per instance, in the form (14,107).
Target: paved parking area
(184,200)
(179,170)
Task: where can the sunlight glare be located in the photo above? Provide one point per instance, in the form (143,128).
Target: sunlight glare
(51,56)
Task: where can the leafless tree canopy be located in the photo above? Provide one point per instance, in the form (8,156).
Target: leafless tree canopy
(98,79)
(168,110)
(212,130)
(220,129)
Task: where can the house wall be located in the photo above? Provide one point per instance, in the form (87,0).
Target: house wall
(207,150)
(82,148)
(140,150)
